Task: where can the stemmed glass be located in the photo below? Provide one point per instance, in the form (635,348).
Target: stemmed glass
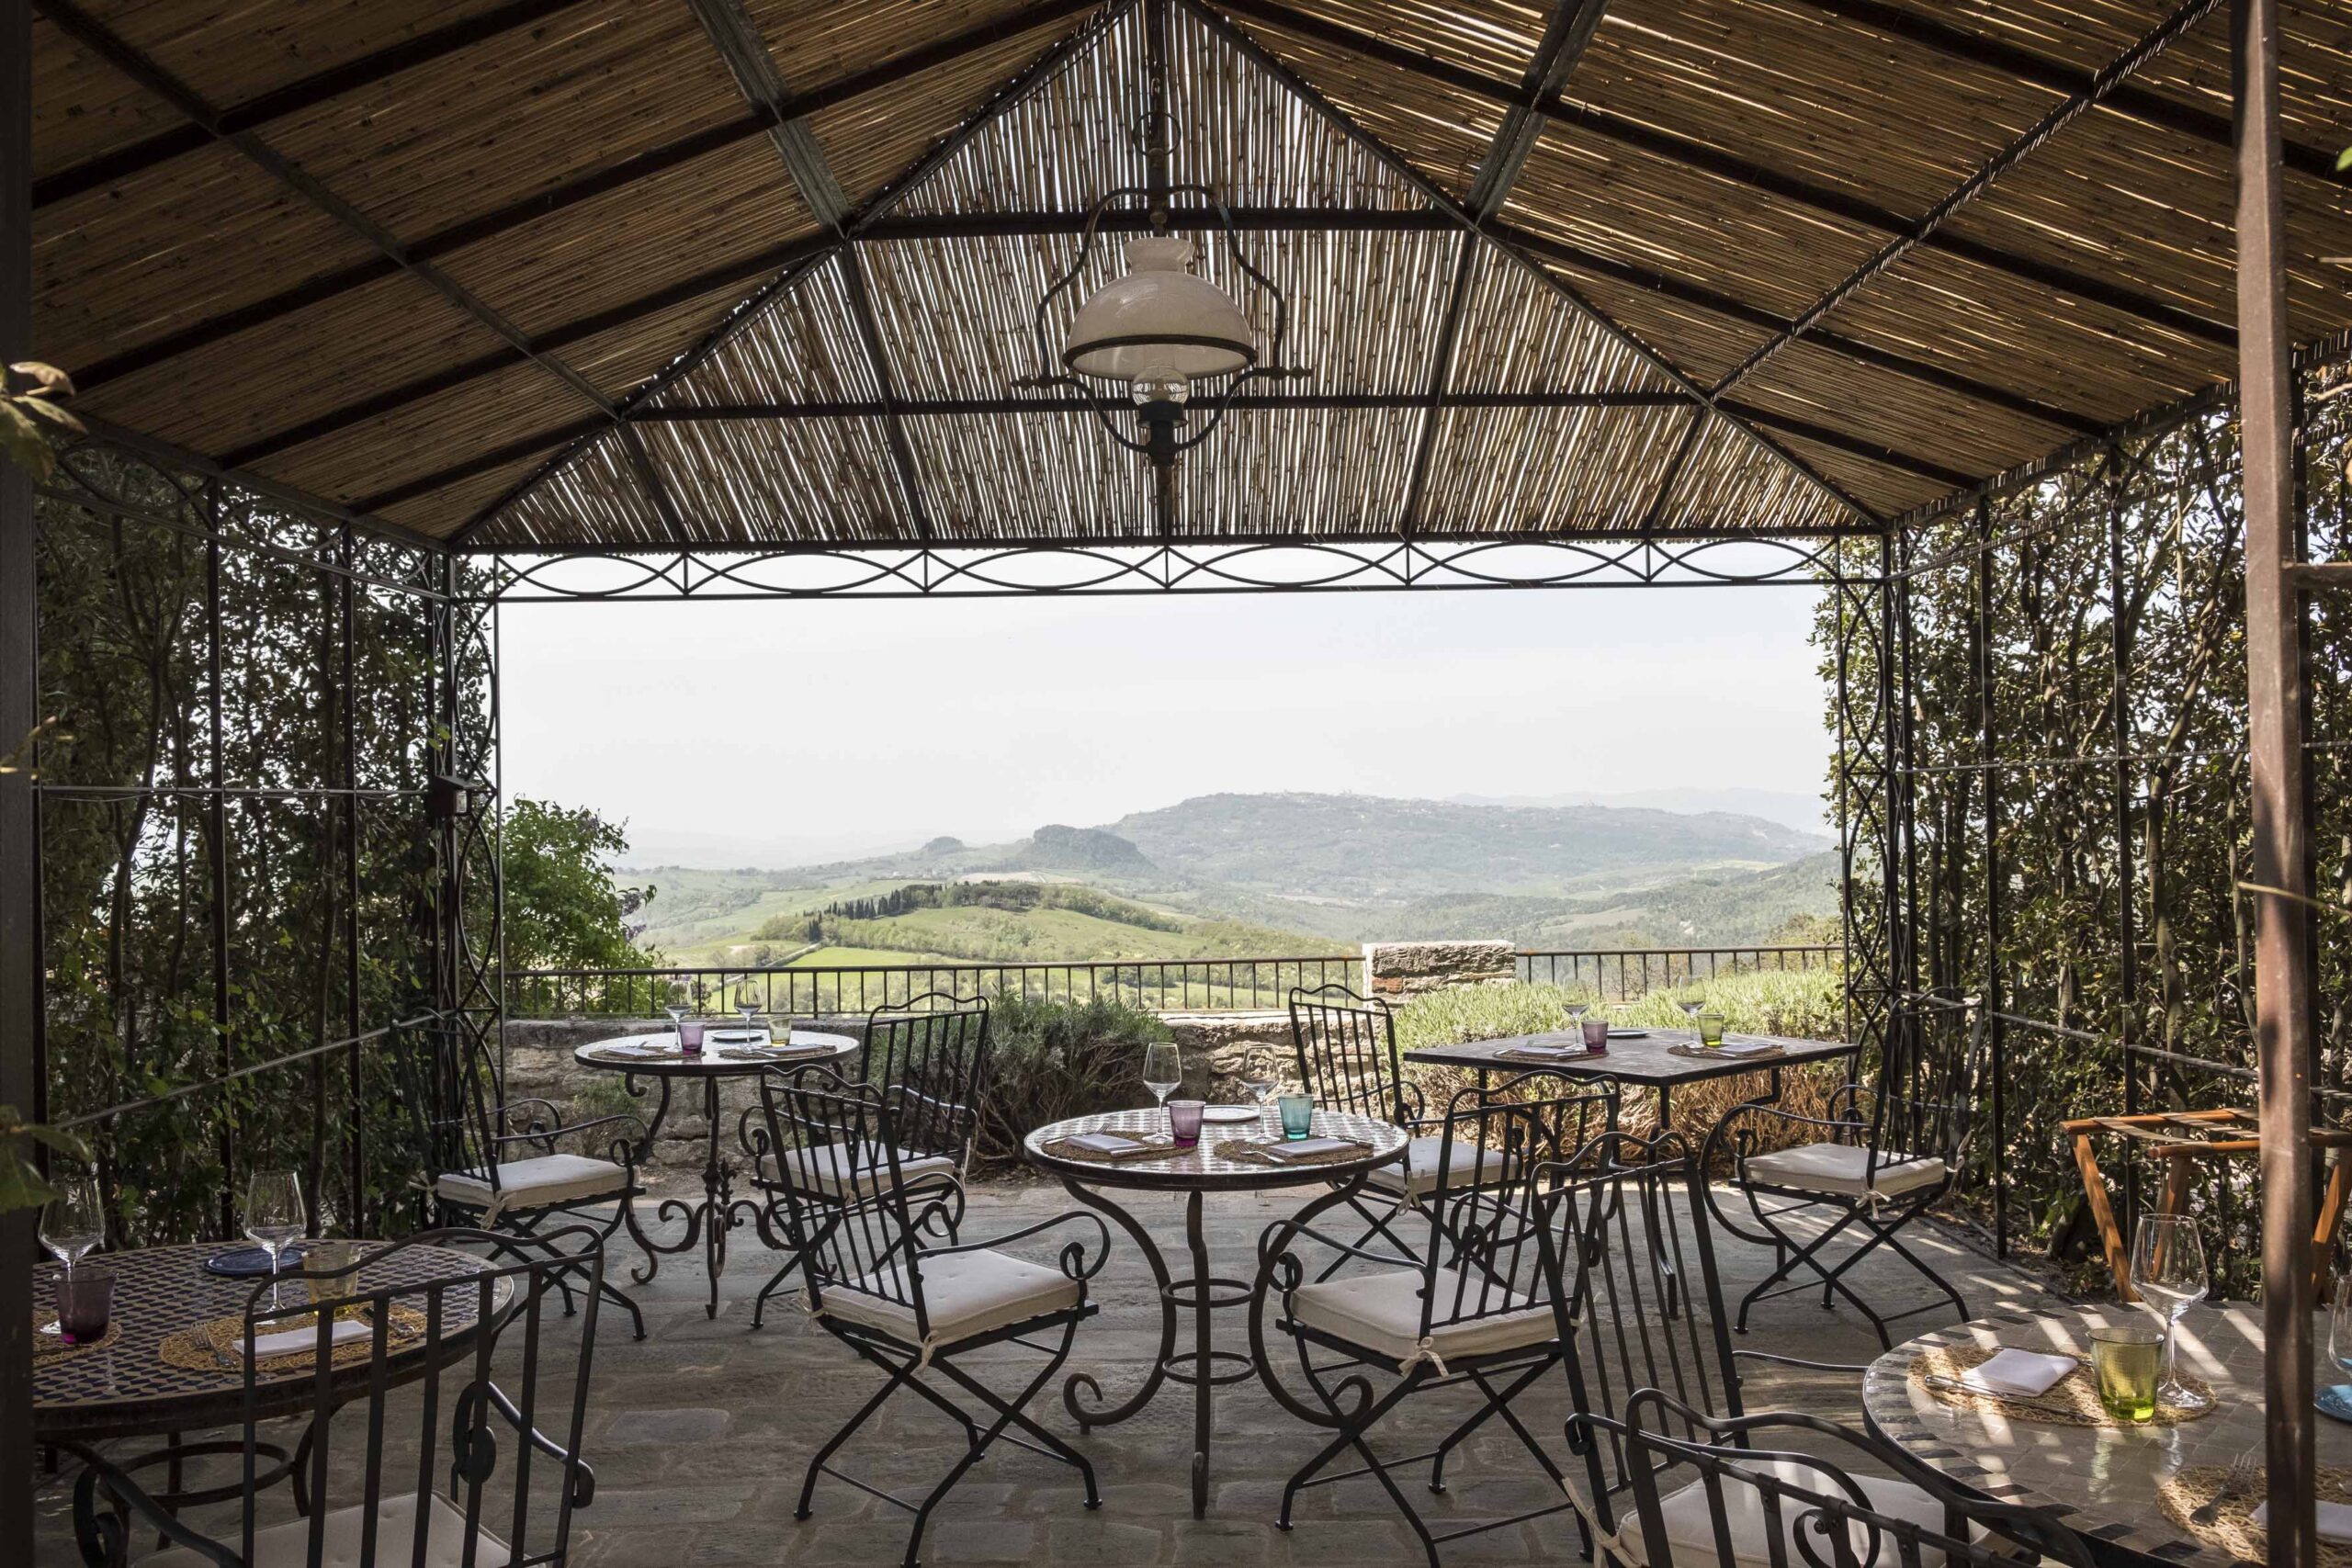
(1692,1006)
(274,1217)
(1260,1086)
(747,1002)
(2339,1335)
(72,1223)
(676,998)
(1163,1072)
(2169,1271)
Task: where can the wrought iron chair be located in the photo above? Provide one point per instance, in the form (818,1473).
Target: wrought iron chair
(1468,1304)
(1885,1154)
(499,1163)
(1641,1317)
(931,1063)
(1727,1501)
(392,1475)
(1346,1047)
(885,1282)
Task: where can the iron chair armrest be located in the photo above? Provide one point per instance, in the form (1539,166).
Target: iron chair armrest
(1293,1229)
(583,1479)
(1073,1254)
(627,1152)
(1843,1128)
(103,1537)
(1857,1368)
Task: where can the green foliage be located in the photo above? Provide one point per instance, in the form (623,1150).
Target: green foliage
(21,1184)
(32,419)
(1056,1059)
(564,908)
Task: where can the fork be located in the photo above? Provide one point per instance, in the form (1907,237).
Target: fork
(2245,1475)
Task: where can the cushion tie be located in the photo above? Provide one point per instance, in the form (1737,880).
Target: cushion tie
(1424,1349)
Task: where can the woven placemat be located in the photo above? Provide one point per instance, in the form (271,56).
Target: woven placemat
(1252,1151)
(2231,1528)
(219,1346)
(50,1347)
(1705,1055)
(2072,1400)
(1062,1149)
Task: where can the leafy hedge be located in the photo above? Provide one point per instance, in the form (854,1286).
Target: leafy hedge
(1053,1059)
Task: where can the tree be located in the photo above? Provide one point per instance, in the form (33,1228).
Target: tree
(564,909)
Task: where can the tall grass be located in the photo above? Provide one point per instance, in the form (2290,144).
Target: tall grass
(1806,1004)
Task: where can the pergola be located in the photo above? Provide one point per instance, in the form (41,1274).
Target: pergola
(592,299)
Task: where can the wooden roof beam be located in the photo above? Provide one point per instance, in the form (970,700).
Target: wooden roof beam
(2067,80)
(1731,167)
(2095,89)
(587,187)
(737,38)
(1564,37)
(148,151)
(185,101)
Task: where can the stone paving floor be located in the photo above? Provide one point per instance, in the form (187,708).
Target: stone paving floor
(700,1435)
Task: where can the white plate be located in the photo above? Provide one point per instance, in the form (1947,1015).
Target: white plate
(1233,1113)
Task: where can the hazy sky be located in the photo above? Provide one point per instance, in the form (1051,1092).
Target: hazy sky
(773,732)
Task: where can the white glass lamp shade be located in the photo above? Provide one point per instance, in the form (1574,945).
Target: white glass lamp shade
(1158,327)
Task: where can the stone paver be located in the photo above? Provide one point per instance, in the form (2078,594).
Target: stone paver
(700,1435)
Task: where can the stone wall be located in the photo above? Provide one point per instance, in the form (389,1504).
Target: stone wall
(1402,970)
(1221,1049)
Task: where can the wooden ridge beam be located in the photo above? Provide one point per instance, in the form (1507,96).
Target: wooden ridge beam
(1737,170)
(148,151)
(1565,37)
(581,187)
(2100,86)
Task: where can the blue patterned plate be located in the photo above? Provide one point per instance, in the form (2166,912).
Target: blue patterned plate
(251,1262)
(2335,1402)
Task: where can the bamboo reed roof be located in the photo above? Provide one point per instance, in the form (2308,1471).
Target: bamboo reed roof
(629,273)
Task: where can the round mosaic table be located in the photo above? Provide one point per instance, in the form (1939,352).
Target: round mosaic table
(708,1222)
(2102,1481)
(122,1387)
(1194,1172)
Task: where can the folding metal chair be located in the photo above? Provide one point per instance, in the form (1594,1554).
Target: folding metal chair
(932,1066)
(1731,1503)
(1469,1304)
(499,1163)
(882,1283)
(1885,1155)
(414,1453)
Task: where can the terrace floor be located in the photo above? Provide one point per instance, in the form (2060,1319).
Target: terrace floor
(700,1435)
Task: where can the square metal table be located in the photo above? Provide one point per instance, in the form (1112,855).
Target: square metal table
(1648,1060)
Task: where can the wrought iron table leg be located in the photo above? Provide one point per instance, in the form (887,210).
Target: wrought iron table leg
(642,1273)
(1201,1294)
(718,1212)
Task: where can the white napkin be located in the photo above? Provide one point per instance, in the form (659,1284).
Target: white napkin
(2335,1520)
(1746,1047)
(1547,1052)
(1307,1149)
(294,1341)
(2027,1373)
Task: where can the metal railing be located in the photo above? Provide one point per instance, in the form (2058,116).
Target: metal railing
(1626,974)
(1174,985)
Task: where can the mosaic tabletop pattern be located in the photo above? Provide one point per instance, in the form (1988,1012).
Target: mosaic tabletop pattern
(1199,1167)
(1648,1060)
(709,1064)
(125,1387)
(2101,1480)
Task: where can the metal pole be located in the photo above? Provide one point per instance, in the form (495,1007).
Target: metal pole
(20,996)
(2126,934)
(2274,735)
(1987,740)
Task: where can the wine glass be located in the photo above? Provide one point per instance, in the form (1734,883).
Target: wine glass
(72,1223)
(1163,1072)
(274,1216)
(747,1002)
(2339,1327)
(677,996)
(1260,1084)
(2169,1271)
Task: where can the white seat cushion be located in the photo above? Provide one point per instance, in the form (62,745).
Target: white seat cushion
(1382,1312)
(289,1545)
(831,1168)
(1692,1528)
(536,1183)
(964,1293)
(1840,1168)
(1467,1164)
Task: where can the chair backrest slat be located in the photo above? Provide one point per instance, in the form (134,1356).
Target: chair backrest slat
(1346,1047)
(932,1062)
(847,1206)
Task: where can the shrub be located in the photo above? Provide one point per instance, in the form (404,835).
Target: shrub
(1805,1003)
(1052,1059)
